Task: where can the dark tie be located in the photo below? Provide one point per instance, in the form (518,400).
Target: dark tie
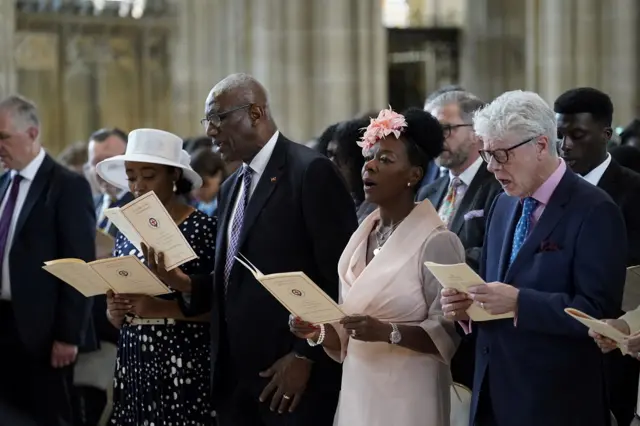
(236,225)
(523,227)
(105,221)
(7,214)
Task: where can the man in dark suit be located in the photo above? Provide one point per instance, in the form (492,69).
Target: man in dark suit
(286,209)
(553,241)
(584,118)
(462,197)
(46,214)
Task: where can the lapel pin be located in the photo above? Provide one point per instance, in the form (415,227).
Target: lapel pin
(273,179)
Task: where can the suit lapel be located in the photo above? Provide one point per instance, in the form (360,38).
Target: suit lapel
(440,189)
(267,183)
(472,192)
(551,215)
(37,186)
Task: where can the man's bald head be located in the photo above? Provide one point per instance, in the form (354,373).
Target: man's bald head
(237,117)
(243,87)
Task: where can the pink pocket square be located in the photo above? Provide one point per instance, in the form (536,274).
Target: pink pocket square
(473,213)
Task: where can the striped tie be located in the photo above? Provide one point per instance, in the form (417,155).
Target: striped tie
(236,225)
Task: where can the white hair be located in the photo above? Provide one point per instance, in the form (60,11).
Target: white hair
(523,114)
(23,111)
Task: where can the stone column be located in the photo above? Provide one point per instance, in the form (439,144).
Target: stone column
(321,61)
(622,65)
(493,59)
(8,83)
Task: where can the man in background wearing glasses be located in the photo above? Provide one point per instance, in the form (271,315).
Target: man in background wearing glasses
(463,196)
(553,241)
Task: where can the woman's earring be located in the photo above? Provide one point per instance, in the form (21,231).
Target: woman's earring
(408,184)
(175,188)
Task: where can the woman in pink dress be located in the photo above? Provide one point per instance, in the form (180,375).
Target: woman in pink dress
(395,344)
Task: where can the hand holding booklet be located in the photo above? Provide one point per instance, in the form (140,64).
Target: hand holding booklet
(145,220)
(460,277)
(126,274)
(599,327)
(298,294)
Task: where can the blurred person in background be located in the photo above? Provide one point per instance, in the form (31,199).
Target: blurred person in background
(630,136)
(74,157)
(192,145)
(103,144)
(162,369)
(325,139)
(211,168)
(47,214)
(345,153)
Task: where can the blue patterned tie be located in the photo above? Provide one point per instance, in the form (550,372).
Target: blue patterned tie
(236,225)
(523,227)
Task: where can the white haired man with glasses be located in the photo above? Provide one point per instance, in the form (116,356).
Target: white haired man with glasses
(553,241)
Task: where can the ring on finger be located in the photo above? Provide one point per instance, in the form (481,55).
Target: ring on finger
(353,333)
(286,396)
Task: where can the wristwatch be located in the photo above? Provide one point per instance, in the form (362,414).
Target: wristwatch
(395,336)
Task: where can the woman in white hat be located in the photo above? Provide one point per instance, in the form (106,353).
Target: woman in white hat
(162,369)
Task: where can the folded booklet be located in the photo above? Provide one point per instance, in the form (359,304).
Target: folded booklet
(146,220)
(126,274)
(599,327)
(298,294)
(460,277)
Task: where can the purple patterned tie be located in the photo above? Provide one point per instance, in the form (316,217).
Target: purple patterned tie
(7,214)
(236,225)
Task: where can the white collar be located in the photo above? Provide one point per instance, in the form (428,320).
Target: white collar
(470,172)
(594,176)
(29,172)
(260,161)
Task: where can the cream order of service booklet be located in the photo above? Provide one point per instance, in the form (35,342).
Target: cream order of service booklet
(126,274)
(598,326)
(460,277)
(298,294)
(145,220)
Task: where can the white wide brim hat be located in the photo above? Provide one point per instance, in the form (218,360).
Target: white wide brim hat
(148,146)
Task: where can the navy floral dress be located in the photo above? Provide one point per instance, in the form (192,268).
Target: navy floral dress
(162,371)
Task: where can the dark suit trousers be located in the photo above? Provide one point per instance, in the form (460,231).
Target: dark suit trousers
(238,404)
(29,386)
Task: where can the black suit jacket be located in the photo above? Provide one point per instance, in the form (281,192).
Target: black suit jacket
(56,221)
(623,186)
(477,199)
(299,218)
(122,201)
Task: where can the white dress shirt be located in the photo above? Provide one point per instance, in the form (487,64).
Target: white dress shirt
(594,176)
(257,165)
(28,174)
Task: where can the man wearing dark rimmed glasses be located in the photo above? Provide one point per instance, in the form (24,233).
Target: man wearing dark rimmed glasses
(286,209)
(463,196)
(584,119)
(553,241)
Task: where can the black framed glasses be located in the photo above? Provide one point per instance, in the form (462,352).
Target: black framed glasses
(501,155)
(447,129)
(214,119)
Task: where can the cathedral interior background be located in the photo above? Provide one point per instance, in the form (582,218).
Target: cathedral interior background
(150,63)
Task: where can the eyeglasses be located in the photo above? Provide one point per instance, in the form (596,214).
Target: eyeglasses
(214,119)
(447,129)
(501,155)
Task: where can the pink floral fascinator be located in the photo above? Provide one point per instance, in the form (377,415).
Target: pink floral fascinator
(388,122)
